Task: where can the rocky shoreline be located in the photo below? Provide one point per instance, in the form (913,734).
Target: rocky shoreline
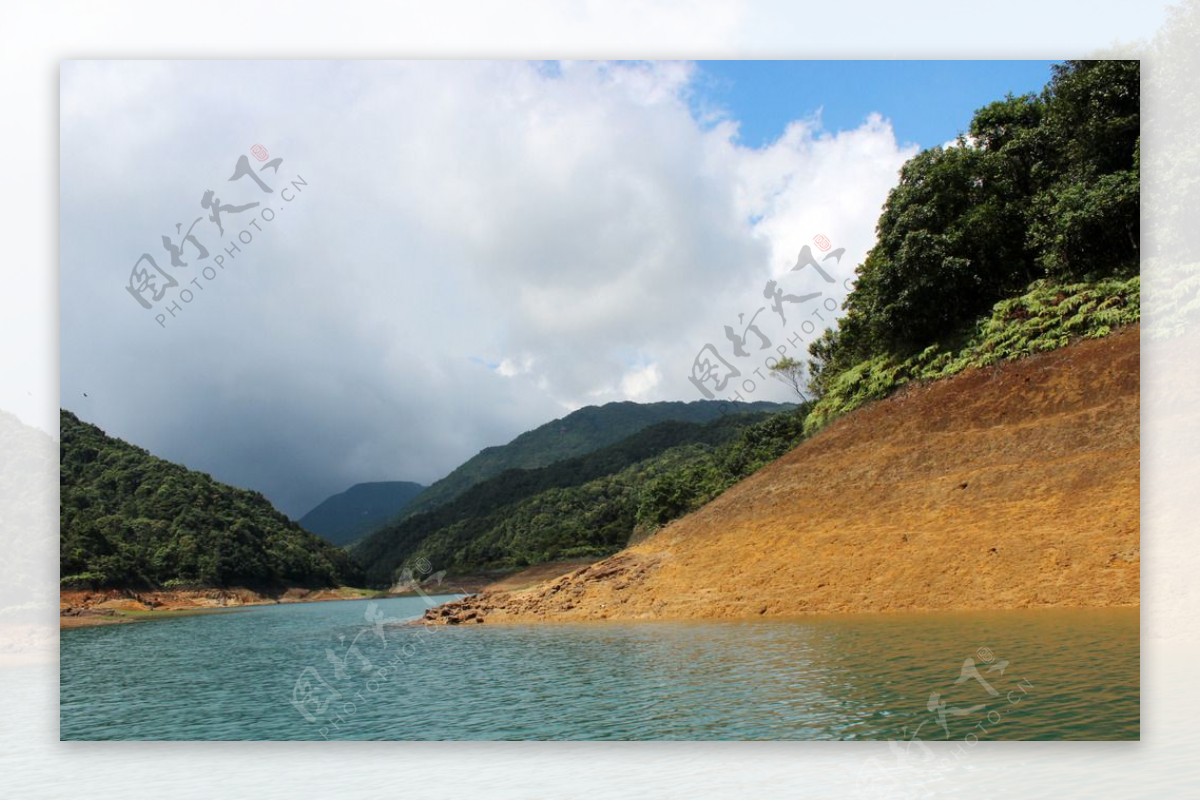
(79,608)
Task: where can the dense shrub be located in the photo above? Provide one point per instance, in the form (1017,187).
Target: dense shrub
(129,519)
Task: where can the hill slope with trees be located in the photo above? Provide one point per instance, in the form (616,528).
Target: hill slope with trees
(1019,241)
(1040,199)
(131,520)
(580,432)
(588,506)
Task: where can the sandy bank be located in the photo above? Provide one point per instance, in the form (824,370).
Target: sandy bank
(101,607)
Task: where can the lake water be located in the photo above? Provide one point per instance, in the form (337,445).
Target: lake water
(353,670)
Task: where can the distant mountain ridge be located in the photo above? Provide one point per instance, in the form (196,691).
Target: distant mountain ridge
(580,432)
(585,506)
(347,516)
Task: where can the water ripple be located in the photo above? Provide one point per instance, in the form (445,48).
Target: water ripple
(1053,674)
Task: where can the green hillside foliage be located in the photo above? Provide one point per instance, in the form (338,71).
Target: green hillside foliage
(348,516)
(1044,189)
(688,486)
(130,519)
(585,506)
(1044,318)
(1018,240)
(583,431)
(593,519)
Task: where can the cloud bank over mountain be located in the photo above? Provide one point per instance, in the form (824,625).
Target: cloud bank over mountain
(474,248)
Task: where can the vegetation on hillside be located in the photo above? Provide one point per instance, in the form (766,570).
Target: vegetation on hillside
(130,519)
(1044,318)
(585,506)
(580,432)
(673,493)
(1018,239)
(1043,192)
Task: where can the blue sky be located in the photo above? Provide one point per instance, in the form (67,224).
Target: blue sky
(928,102)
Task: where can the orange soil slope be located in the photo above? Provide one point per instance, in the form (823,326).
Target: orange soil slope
(1012,486)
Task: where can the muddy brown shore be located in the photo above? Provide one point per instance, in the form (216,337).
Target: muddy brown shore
(101,607)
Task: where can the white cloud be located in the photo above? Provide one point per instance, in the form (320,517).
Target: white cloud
(640,383)
(962,140)
(576,227)
(509,368)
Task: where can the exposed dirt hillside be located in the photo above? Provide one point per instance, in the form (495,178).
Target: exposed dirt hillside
(1012,486)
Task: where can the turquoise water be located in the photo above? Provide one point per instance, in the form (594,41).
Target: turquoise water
(354,670)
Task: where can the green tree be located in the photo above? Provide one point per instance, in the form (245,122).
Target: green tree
(1084,222)
(129,519)
(1040,186)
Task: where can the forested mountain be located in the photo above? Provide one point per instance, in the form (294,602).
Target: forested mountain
(130,519)
(585,506)
(343,518)
(1043,191)
(580,432)
(1021,238)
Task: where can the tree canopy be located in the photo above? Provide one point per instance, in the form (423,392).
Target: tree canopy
(130,519)
(586,506)
(1041,186)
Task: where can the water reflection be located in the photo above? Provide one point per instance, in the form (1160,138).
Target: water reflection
(1045,674)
